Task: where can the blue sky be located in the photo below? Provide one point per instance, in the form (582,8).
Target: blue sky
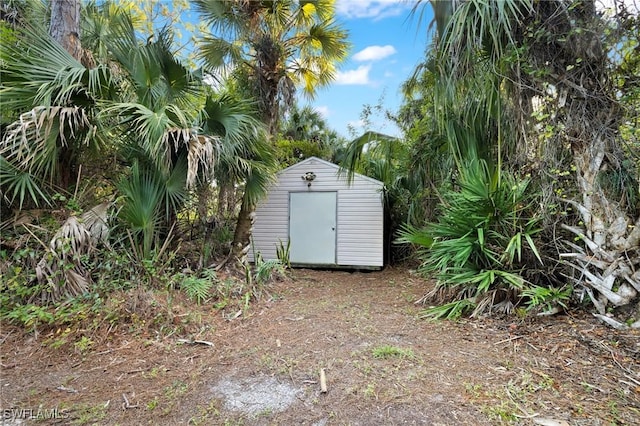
(386,46)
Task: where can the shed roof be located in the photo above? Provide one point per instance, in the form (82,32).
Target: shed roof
(338,168)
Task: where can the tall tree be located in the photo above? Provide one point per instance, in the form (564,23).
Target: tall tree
(52,99)
(64,28)
(273,48)
(549,64)
(65,25)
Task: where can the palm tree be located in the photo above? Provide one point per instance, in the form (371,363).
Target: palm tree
(53,102)
(277,46)
(272,48)
(245,155)
(550,63)
(304,124)
(178,129)
(155,113)
(65,25)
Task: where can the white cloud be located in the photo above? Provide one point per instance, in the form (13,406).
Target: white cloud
(374,53)
(323,110)
(376,9)
(359,76)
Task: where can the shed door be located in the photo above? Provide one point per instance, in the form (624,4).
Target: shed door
(312,227)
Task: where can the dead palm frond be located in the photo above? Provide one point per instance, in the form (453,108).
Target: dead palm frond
(95,222)
(60,282)
(72,238)
(201,151)
(51,98)
(32,142)
(60,270)
(79,235)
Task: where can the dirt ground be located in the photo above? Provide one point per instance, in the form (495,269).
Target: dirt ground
(383,365)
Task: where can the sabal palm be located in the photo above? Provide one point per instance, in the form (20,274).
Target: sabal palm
(277,46)
(244,154)
(530,47)
(52,100)
(273,48)
(169,119)
(305,124)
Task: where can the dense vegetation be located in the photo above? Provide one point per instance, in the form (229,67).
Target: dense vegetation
(129,163)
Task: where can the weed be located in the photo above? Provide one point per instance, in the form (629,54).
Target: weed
(613,409)
(364,367)
(264,413)
(153,404)
(283,253)
(370,391)
(267,362)
(474,390)
(177,389)
(387,351)
(266,269)
(198,289)
(155,371)
(547,297)
(88,414)
(504,412)
(203,415)
(83,345)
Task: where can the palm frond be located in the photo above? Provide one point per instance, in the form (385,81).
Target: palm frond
(16,183)
(95,222)
(376,145)
(218,52)
(32,142)
(72,236)
(43,73)
(226,17)
(143,192)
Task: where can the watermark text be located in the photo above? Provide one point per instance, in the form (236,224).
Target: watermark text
(18,413)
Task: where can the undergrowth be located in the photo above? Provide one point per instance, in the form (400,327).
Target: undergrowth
(138,295)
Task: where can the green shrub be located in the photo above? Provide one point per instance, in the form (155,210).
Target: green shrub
(197,288)
(481,244)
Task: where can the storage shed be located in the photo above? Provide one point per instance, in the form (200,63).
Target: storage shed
(329,222)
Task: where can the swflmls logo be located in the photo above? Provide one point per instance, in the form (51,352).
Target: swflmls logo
(34,414)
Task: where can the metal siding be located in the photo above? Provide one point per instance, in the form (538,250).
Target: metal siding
(271,225)
(360,217)
(360,228)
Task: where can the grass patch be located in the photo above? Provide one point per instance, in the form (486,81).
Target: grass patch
(388,351)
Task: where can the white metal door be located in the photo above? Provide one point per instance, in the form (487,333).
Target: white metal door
(312,227)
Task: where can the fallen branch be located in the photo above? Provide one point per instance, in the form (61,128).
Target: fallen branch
(195,342)
(6,337)
(126,404)
(637,382)
(108,351)
(610,321)
(323,381)
(509,339)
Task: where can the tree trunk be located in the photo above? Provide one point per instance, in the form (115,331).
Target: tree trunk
(607,259)
(226,202)
(608,263)
(64,27)
(242,235)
